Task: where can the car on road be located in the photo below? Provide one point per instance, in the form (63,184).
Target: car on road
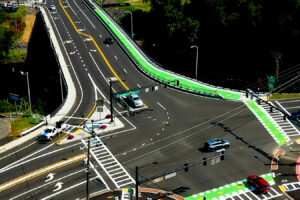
(259,183)
(216,144)
(108,41)
(49,133)
(52,7)
(135,100)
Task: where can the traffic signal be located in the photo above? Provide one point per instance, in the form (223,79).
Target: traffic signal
(153,88)
(177,82)
(204,162)
(247,94)
(186,168)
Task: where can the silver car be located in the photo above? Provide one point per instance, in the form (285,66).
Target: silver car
(135,100)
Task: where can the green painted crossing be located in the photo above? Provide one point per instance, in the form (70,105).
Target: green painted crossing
(277,133)
(228,190)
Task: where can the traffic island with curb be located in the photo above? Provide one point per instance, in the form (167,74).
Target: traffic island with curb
(145,194)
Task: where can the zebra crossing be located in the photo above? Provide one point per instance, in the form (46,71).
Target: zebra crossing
(290,186)
(112,167)
(288,128)
(248,194)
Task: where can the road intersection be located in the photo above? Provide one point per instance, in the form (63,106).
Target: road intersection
(171,131)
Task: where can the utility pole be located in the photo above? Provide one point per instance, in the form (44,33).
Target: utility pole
(28,87)
(87,170)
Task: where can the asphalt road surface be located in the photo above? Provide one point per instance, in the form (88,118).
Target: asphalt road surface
(170,130)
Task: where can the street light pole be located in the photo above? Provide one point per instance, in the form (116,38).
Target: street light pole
(28,88)
(131,17)
(196,74)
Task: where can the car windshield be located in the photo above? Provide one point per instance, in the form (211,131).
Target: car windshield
(136,98)
(48,130)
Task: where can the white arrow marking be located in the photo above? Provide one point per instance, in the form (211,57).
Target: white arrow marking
(58,185)
(51,176)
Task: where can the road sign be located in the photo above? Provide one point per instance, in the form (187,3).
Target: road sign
(14,97)
(135,91)
(125,94)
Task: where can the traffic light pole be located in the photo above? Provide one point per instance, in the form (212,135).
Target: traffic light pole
(136,182)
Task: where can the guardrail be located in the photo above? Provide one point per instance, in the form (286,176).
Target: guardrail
(148,67)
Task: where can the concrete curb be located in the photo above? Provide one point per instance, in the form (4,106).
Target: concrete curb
(21,140)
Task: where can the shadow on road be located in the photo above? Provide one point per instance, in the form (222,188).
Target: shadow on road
(227,129)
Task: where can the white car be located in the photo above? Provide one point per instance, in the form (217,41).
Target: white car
(135,100)
(49,133)
(52,7)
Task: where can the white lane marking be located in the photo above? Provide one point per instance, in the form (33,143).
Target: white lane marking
(116,58)
(99,69)
(292,107)
(100,35)
(98,174)
(125,71)
(185,137)
(73,70)
(69,188)
(138,85)
(58,186)
(17,150)
(290,101)
(28,191)
(85,15)
(161,106)
(16,165)
(51,176)
(107,45)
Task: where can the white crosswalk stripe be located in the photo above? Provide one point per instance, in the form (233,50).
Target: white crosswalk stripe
(112,167)
(248,194)
(292,186)
(288,128)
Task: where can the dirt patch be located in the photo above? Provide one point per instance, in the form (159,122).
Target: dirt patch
(29,20)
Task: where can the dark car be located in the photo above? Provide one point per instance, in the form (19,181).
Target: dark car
(260,184)
(108,41)
(216,144)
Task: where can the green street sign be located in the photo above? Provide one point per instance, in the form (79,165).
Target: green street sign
(125,94)
(135,91)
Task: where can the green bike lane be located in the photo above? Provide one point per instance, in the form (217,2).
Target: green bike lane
(162,75)
(232,189)
(272,127)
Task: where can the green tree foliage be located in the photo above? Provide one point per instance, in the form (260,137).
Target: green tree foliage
(172,16)
(6,40)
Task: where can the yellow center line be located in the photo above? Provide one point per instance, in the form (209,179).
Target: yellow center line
(97,46)
(52,169)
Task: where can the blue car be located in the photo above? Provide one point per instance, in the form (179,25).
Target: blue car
(216,144)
